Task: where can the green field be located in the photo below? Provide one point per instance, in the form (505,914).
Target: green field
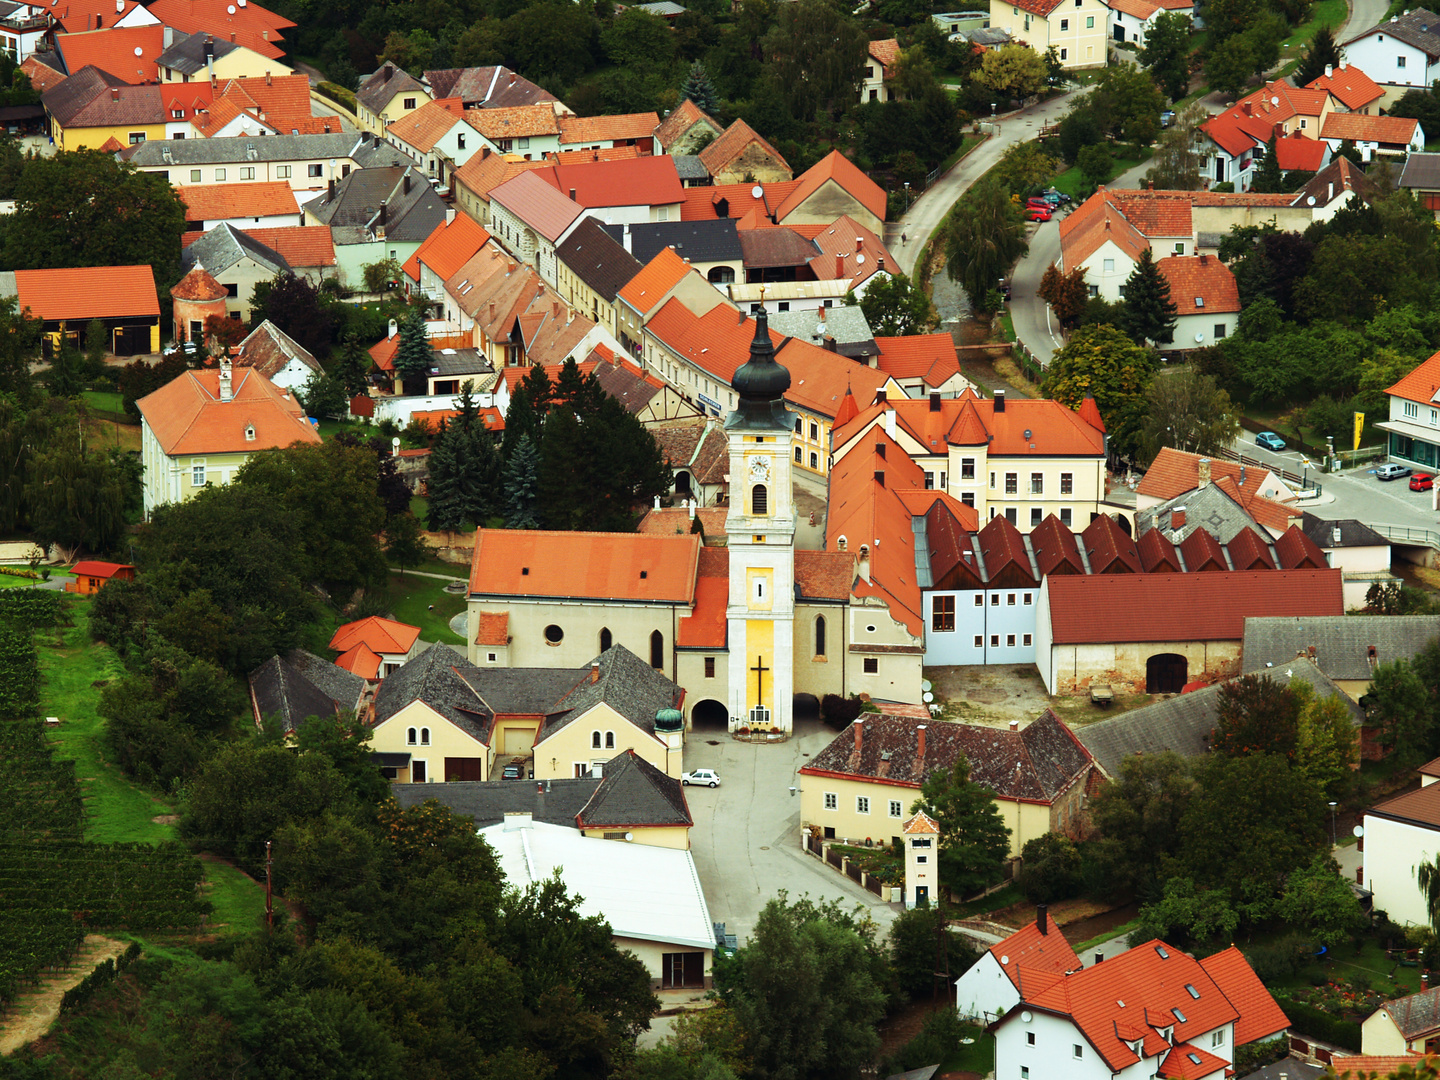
(1072,183)
(103,401)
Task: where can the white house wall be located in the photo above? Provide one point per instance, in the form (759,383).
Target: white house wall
(1393,850)
(983,991)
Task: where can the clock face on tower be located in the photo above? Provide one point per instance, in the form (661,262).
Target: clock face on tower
(759,469)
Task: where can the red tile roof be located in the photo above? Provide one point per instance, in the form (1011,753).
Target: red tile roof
(1249,552)
(1275,516)
(449,247)
(1385,130)
(680,120)
(886,50)
(1186,1061)
(1034,951)
(643,181)
(1003,548)
(590,129)
(1055,547)
(77,16)
(1260,1016)
(538,204)
(42,76)
(660,275)
(114,50)
(611,566)
(515,121)
(84,293)
(1202,552)
(1043,8)
(301,245)
(848,250)
(187,416)
(360,660)
(381,635)
(1296,151)
(253,26)
(1157,553)
(705,627)
(1350,85)
(1296,550)
(282,100)
(1140,9)
(198,284)
(1144,607)
(1174,472)
(1109,548)
(968,420)
(91,568)
(836,167)
(224,202)
(735,200)
(1252,119)
(492,628)
(1422,384)
(1129,219)
(826,575)
(923,356)
(1364,1066)
(428,124)
(1201,284)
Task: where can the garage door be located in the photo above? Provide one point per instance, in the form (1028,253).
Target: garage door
(519,740)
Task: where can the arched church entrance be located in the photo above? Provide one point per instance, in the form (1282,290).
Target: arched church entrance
(709,715)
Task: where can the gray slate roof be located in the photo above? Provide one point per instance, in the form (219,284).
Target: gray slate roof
(524,691)
(1417,1014)
(444,681)
(1341,642)
(363,149)
(1353,533)
(187,55)
(661,7)
(626,683)
(634,792)
(224,246)
(555,802)
(356,201)
(846,324)
(698,241)
(377,88)
(345,687)
(1417,27)
(1183,723)
(690,167)
(1208,508)
(486,87)
(597,259)
(461,362)
(297,686)
(1422,171)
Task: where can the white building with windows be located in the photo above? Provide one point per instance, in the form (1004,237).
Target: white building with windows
(1414,423)
(1400,54)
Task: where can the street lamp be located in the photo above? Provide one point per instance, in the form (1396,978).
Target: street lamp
(907,196)
(1333,804)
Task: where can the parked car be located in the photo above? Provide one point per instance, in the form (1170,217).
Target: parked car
(513,772)
(1422,481)
(1037,213)
(1392,471)
(703,777)
(1167,118)
(1270,441)
(1054,197)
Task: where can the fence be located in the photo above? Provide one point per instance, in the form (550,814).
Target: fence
(853,871)
(1028,362)
(1305,481)
(1351,458)
(1403,534)
(834,858)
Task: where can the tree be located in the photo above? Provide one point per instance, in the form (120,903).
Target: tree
(324,395)
(916,939)
(1066,293)
(1230,64)
(1102,362)
(1268,178)
(807,988)
(699,89)
(522,478)
(1128,103)
(382,275)
(1255,714)
(1079,129)
(465,471)
(984,238)
(1176,164)
(1025,167)
(223,332)
(1138,815)
(350,368)
(1427,876)
(1323,53)
(1149,311)
(974,840)
(404,545)
(815,53)
(1013,71)
(1398,706)
(1095,164)
(1322,902)
(1187,411)
(1167,53)
(1184,914)
(414,357)
(894,307)
(76,496)
(295,306)
(1050,868)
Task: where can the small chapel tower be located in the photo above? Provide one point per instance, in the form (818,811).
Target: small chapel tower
(760,531)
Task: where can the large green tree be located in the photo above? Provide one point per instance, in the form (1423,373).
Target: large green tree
(1187,411)
(984,237)
(1149,312)
(1138,816)
(465,471)
(815,52)
(1102,362)
(895,307)
(413,356)
(1167,53)
(1256,714)
(1012,71)
(974,840)
(1177,161)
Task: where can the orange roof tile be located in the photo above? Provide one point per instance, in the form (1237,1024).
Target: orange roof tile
(84,293)
(681,119)
(428,124)
(515,122)
(705,627)
(383,352)
(1422,384)
(93,568)
(1174,472)
(1296,151)
(198,284)
(887,51)
(1043,8)
(650,181)
(492,628)
(661,274)
(1260,1016)
(969,420)
(588,129)
(1200,284)
(1140,9)
(42,76)
(1350,85)
(1296,550)
(301,245)
(597,153)
(1275,516)
(611,566)
(1359,127)
(485,172)
(223,202)
(385,636)
(723,151)
(283,101)
(1252,119)
(915,356)
(734,200)
(449,247)
(1048,952)
(114,50)
(837,167)
(1090,412)
(253,26)
(187,416)
(111,146)
(1098,221)
(77,16)
(1364,1066)
(825,574)
(360,660)
(848,250)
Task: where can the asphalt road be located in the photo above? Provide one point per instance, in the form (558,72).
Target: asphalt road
(1363,15)
(931,207)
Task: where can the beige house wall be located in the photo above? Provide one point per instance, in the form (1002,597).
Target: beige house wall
(172,479)
(557,757)
(671,836)
(244,275)
(630,625)
(1084,46)
(1121,665)
(753,164)
(446,740)
(471,203)
(698,688)
(514,736)
(898,673)
(651,954)
(1220,219)
(829,201)
(393,110)
(1379,1035)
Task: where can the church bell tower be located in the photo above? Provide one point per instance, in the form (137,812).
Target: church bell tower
(760,530)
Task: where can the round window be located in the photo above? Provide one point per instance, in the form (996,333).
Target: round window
(868,630)
(553,634)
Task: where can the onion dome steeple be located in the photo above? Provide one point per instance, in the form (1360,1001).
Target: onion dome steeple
(760,383)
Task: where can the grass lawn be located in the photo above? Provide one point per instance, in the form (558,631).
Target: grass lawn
(328,429)
(1072,183)
(10,581)
(237,899)
(105,402)
(1109,935)
(1009,324)
(423,602)
(978,1057)
(1002,898)
(1331,13)
(1371,966)
(420,507)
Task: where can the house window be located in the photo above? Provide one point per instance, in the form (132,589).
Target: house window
(554,634)
(1064,25)
(1180,248)
(595,740)
(1092,290)
(820,635)
(1077,1051)
(862,804)
(1122,291)
(459,142)
(313,171)
(1036,514)
(942,614)
(1411,409)
(1064,54)
(219,175)
(1029,1038)
(1067,483)
(609,740)
(177,114)
(232,289)
(979,599)
(709,667)
(1108,265)
(968,498)
(979,641)
(1089,22)
(247,172)
(895,808)
(995,599)
(1220,330)
(814,461)
(799,456)
(1065,516)
(814,433)
(871,666)
(1010,599)
(1026,599)
(1400,61)
(249,432)
(832,801)
(197,473)
(1037,483)
(1217,1038)
(282,172)
(136,138)
(1011,515)
(967,468)
(424,736)
(1027,641)
(663,214)
(992,481)
(1012,483)
(1009,641)
(195,176)
(994,641)
(524,144)
(410,736)
(407,103)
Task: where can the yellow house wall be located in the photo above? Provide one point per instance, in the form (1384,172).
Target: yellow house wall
(240,63)
(828,202)
(630,626)
(394,110)
(691,675)
(557,756)
(92,138)
(677,836)
(446,740)
(1379,1035)
(508,737)
(651,954)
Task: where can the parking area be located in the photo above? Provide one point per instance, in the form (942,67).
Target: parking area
(746,838)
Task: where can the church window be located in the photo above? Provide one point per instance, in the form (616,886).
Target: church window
(657,651)
(814,461)
(609,740)
(820,635)
(759,500)
(606,640)
(554,635)
(760,590)
(410,736)
(424,736)
(595,740)
(798,452)
(709,667)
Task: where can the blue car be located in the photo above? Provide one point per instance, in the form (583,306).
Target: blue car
(1270,441)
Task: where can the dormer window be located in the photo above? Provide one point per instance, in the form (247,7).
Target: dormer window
(249,432)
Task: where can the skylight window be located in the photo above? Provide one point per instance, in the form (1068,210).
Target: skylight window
(1192,991)
(1199,301)
(1194,1057)
(1179,1015)
(1160,951)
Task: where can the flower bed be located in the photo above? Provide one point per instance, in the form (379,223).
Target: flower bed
(20,572)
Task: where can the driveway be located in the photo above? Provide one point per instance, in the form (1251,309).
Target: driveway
(1363,15)
(931,207)
(746,838)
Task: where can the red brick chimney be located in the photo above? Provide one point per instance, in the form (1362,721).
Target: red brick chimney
(1177,518)
(920,743)
(859,727)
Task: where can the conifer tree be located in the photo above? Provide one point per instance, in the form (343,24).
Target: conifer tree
(522,484)
(1323,51)
(1268,179)
(699,89)
(352,365)
(414,358)
(1149,313)
(446,511)
(521,422)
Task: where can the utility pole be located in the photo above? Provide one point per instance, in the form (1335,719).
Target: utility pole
(269,909)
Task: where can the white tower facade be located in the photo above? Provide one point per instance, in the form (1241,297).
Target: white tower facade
(760,531)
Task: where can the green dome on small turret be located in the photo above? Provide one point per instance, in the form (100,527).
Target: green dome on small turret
(669,720)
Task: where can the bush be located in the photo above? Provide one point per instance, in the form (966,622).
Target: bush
(838,711)
(337,94)
(1050,869)
(1305,1020)
(1257,1055)
(938,1040)
(1278,961)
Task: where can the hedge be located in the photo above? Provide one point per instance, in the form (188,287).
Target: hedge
(1318,1024)
(337,93)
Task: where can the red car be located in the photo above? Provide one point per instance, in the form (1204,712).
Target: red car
(1422,481)
(1037,213)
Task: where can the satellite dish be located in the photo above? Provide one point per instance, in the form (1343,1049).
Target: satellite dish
(925,685)
(139,51)
(1274,101)
(1027,1016)
(859,260)
(231,9)
(928,697)
(757,192)
(1199,338)
(1310,201)
(1359,830)
(1004,959)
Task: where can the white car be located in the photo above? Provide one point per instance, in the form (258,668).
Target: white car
(707,777)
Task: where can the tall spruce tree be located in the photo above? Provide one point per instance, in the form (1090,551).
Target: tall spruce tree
(465,471)
(699,89)
(522,485)
(1149,313)
(1323,52)
(521,422)
(1269,179)
(352,365)
(414,357)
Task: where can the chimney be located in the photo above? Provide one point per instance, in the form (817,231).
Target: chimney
(999,400)
(167,37)
(859,727)
(1204,260)
(1329,191)
(879,397)
(839,266)
(1177,518)
(629,240)
(114,93)
(1329,71)
(225,391)
(920,743)
(1344,64)
(405,183)
(690,506)
(594,671)
(1247,107)
(1335,536)
(1042,914)
(1424,981)
(1014,725)
(880,477)
(330,190)
(386,72)
(1202,472)
(268,81)
(859,244)
(1242,476)
(394,329)
(572,195)
(934,402)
